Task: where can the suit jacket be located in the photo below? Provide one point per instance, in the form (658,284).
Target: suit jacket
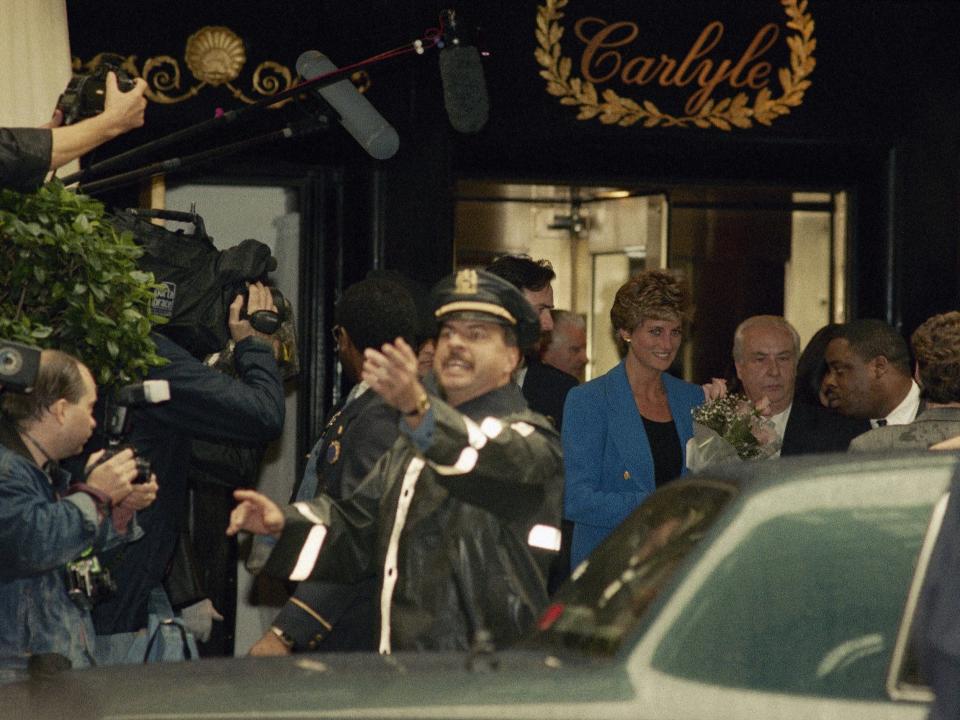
(545,388)
(607,459)
(930,427)
(815,429)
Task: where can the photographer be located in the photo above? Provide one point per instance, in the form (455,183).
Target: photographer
(28,154)
(47,522)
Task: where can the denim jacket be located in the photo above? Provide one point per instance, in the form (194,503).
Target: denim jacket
(40,531)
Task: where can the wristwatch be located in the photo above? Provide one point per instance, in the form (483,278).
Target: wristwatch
(423,404)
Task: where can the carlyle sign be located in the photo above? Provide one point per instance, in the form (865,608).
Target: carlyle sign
(712,90)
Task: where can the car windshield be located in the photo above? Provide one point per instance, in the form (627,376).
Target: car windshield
(805,603)
(615,586)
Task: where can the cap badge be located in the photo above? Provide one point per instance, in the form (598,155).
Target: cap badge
(466,282)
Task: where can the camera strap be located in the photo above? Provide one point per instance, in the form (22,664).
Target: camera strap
(59,478)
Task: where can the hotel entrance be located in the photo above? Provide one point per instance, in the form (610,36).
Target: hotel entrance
(744,250)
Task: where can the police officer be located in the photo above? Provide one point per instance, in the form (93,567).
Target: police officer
(460,519)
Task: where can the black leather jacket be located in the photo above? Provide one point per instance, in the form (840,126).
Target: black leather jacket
(463,535)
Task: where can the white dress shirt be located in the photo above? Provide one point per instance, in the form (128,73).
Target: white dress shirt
(780,425)
(906,411)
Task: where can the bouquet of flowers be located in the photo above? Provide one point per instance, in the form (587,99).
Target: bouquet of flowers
(728,428)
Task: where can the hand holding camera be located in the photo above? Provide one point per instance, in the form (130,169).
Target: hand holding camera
(94,109)
(108,90)
(259,317)
(124,108)
(142,494)
(114,475)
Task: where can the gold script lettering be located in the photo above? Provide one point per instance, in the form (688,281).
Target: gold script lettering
(601,61)
(766,37)
(603,39)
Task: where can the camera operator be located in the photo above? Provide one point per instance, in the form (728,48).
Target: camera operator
(204,403)
(28,154)
(47,522)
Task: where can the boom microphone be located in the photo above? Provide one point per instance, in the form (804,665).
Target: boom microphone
(357,115)
(464,87)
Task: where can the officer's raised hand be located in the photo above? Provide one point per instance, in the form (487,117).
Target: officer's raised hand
(392,373)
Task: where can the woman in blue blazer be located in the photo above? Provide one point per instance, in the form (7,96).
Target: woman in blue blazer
(625,433)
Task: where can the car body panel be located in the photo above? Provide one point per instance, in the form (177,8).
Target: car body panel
(760,566)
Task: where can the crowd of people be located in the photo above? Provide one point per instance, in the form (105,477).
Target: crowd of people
(468,457)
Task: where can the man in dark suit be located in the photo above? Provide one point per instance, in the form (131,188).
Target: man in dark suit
(325,615)
(869,374)
(545,387)
(936,347)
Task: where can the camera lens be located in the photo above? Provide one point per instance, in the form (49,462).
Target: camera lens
(11,361)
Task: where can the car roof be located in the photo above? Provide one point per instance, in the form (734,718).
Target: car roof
(754,475)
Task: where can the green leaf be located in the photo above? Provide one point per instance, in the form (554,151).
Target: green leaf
(84,291)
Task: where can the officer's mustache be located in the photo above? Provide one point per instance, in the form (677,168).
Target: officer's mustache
(456,356)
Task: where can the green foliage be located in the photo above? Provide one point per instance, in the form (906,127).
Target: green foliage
(69,280)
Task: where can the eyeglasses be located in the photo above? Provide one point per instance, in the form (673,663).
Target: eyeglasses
(336,331)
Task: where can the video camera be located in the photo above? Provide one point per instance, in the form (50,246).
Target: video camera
(117,424)
(19,365)
(266,321)
(86,93)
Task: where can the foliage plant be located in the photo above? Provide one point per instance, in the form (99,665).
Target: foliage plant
(69,280)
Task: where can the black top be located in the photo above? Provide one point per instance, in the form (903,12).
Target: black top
(665,448)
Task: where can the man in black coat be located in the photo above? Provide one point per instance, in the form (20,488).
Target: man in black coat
(203,403)
(544,386)
(460,517)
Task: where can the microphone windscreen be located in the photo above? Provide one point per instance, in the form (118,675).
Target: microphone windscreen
(464,88)
(357,115)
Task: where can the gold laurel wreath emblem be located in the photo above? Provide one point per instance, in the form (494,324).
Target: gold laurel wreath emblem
(724,114)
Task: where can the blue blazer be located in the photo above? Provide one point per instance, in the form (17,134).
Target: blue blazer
(606,455)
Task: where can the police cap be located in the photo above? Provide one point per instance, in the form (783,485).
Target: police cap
(485,296)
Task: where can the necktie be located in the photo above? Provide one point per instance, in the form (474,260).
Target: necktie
(881,422)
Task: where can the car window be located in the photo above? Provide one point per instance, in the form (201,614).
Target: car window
(806,603)
(610,590)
